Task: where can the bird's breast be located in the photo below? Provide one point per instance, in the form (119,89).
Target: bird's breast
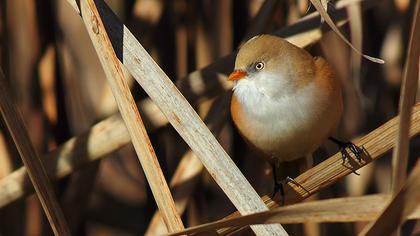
(290,127)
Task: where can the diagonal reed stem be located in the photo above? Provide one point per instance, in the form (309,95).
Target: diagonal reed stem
(184,119)
(37,174)
(130,114)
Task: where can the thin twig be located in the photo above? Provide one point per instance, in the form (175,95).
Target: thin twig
(130,114)
(37,174)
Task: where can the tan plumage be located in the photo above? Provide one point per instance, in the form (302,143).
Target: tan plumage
(285,102)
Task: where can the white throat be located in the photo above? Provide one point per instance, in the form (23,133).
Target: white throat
(261,95)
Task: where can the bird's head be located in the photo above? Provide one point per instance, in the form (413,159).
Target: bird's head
(269,66)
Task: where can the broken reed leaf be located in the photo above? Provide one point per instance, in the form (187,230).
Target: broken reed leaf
(320,8)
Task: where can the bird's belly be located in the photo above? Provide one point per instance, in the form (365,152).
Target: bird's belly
(289,142)
(293,131)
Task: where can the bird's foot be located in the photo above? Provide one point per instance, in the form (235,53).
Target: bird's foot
(357,151)
(279,187)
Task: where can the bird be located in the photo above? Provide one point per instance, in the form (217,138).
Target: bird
(285,102)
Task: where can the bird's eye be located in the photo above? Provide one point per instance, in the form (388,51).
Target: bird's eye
(259,66)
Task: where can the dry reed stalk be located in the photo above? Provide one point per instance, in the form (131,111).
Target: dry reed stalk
(130,114)
(407,100)
(320,6)
(322,211)
(111,133)
(260,21)
(184,119)
(376,143)
(189,169)
(356,29)
(47,84)
(224,28)
(189,161)
(181,38)
(5,158)
(204,52)
(21,51)
(37,174)
(355,100)
(69,157)
(402,205)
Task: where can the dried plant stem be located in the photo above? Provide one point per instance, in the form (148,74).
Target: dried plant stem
(130,114)
(407,100)
(402,205)
(356,29)
(187,172)
(377,143)
(323,211)
(259,23)
(37,174)
(184,119)
(189,169)
(69,157)
(320,8)
(189,161)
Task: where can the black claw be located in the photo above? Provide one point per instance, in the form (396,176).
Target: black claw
(357,151)
(291,180)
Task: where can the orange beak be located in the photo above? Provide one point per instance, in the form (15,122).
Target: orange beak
(237,75)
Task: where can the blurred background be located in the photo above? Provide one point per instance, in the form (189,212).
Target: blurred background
(61,90)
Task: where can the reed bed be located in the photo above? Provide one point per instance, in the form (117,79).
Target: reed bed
(115,119)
